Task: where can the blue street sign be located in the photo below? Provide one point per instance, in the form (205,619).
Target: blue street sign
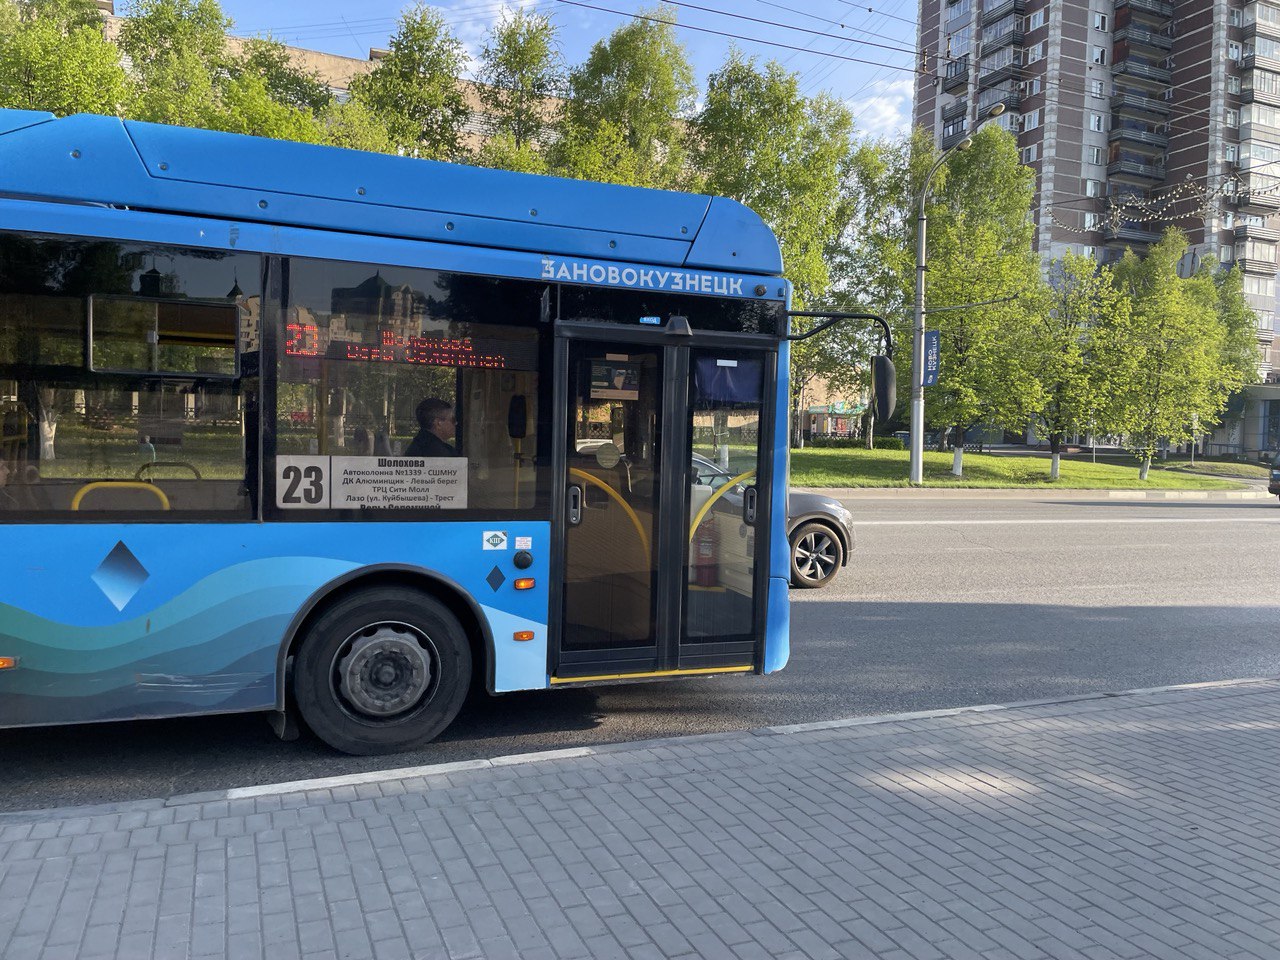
(932,351)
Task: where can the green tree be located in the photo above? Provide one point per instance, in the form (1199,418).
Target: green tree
(355,126)
(246,106)
(521,76)
(635,90)
(980,240)
(872,261)
(1082,300)
(415,89)
(177,52)
(501,152)
(54,56)
(286,83)
(1171,362)
(761,142)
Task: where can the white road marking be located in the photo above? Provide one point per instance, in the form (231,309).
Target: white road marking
(1059,521)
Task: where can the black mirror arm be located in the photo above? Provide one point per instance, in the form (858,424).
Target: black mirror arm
(831,319)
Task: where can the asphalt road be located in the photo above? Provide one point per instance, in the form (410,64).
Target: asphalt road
(947,602)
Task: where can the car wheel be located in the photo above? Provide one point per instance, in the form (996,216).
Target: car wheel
(381,671)
(816,555)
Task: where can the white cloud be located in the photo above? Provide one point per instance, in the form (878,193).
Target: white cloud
(885,110)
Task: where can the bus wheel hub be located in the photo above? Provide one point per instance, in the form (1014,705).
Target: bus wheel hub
(385,672)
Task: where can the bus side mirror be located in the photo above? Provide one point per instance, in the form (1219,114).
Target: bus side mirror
(517,417)
(884,386)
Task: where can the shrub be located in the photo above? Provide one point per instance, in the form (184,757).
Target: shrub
(889,443)
(842,443)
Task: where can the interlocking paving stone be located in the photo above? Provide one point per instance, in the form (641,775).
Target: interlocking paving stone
(1140,825)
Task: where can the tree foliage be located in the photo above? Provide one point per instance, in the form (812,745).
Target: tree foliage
(1082,301)
(635,91)
(54,56)
(980,250)
(354,126)
(415,88)
(758,140)
(287,83)
(176,49)
(521,75)
(1172,361)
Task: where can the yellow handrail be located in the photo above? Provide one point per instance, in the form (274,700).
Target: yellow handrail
(716,496)
(617,497)
(127,484)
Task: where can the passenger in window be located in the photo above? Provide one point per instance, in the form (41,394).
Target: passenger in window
(16,484)
(437,426)
(7,500)
(361,442)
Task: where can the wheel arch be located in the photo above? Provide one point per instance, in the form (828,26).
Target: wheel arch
(460,603)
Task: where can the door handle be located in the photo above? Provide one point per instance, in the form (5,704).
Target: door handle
(750,500)
(573,505)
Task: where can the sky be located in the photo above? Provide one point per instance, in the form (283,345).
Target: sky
(856,50)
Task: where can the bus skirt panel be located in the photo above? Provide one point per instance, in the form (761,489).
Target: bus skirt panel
(124,621)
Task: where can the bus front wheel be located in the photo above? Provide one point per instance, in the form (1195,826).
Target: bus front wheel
(382,670)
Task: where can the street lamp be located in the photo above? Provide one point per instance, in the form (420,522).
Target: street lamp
(917,330)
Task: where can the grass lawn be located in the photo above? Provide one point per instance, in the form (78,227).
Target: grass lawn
(888,468)
(1221,468)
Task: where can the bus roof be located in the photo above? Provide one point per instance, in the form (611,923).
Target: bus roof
(179,170)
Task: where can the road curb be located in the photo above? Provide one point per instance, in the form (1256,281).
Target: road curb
(1000,710)
(1038,493)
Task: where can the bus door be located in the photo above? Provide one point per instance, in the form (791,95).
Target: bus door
(664,524)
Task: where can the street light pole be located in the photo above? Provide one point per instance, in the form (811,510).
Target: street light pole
(917,327)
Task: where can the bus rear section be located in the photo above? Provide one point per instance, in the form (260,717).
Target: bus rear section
(270,463)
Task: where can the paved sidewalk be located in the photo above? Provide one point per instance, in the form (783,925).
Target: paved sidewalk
(1138,825)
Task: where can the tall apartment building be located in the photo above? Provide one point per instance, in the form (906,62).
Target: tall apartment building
(1134,114)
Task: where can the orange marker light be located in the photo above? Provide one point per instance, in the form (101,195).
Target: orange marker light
(522,635)
(525,583)
(8,663)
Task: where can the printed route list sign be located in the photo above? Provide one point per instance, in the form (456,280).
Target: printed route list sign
(377,483)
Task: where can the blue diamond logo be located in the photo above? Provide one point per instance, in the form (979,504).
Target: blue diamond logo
(120,576)
(495,579)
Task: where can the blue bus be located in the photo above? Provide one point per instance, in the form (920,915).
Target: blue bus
(334,435)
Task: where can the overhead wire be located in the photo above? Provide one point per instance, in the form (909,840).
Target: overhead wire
(732,36)
(821,75)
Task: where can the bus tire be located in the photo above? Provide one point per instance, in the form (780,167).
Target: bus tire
(383,670)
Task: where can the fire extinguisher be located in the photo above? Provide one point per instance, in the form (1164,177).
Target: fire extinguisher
(706,554)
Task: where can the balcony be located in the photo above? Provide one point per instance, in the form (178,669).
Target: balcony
(1009,37)
(1155,9)
(1253,95)
(1260,28)
(1000,74)
(1262,201)
(1011,99)
(1257,231)
(1254,62)
(1142,71)
(1148,172)
(949,140)
(1137,36)
(1142,138)
(957,75)
(957,109)
(1133,103)
(1257,266)
(1129,233)
(992,14)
